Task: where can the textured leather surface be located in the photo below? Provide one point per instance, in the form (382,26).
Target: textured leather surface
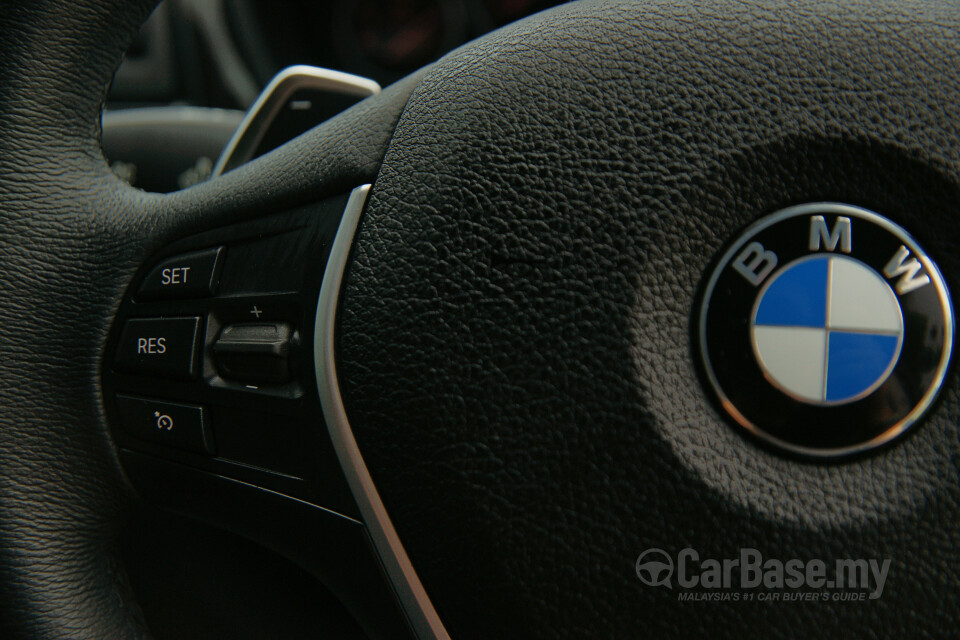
(71,236)
(516,353)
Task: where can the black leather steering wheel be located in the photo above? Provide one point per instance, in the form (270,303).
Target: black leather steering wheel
(515,345)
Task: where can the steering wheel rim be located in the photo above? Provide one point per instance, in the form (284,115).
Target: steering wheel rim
(514,348)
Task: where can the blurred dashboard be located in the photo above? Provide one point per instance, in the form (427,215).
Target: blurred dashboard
(380,39)
(220,53)
(197,65)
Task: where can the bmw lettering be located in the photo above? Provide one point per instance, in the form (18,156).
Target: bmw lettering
(825,330)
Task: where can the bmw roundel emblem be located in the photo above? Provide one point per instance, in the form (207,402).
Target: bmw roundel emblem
(826,330)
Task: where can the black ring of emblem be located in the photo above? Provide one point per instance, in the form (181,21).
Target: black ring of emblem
(753,402)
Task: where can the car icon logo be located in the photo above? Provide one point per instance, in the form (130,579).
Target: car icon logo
(654,568)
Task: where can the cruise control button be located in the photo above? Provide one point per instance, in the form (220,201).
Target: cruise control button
(183,426)
(164,347)
(255,352)
(192,275)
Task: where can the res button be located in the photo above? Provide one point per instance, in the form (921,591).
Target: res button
(192,275)
(164,347)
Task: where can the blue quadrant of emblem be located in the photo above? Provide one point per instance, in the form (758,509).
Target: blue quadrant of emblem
(856,361)
(797,296)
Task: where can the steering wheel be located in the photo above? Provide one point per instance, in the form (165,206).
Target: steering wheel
(512,365)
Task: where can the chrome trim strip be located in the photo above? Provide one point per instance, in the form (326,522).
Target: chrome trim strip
(413,598)
(262,113)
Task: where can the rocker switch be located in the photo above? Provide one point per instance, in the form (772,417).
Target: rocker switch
(255,352)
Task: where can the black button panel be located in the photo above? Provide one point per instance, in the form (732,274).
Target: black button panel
(216,336)
(192,275)
(226,432)
(183,426)
(164,347)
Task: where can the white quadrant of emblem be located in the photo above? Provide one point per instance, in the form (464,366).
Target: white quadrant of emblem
(827,329)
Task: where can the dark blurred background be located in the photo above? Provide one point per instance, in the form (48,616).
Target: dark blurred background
(199,64)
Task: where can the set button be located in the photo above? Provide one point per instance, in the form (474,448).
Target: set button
(192,275)
(165,347)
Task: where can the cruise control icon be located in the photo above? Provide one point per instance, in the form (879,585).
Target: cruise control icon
(164,422)
(825,330)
